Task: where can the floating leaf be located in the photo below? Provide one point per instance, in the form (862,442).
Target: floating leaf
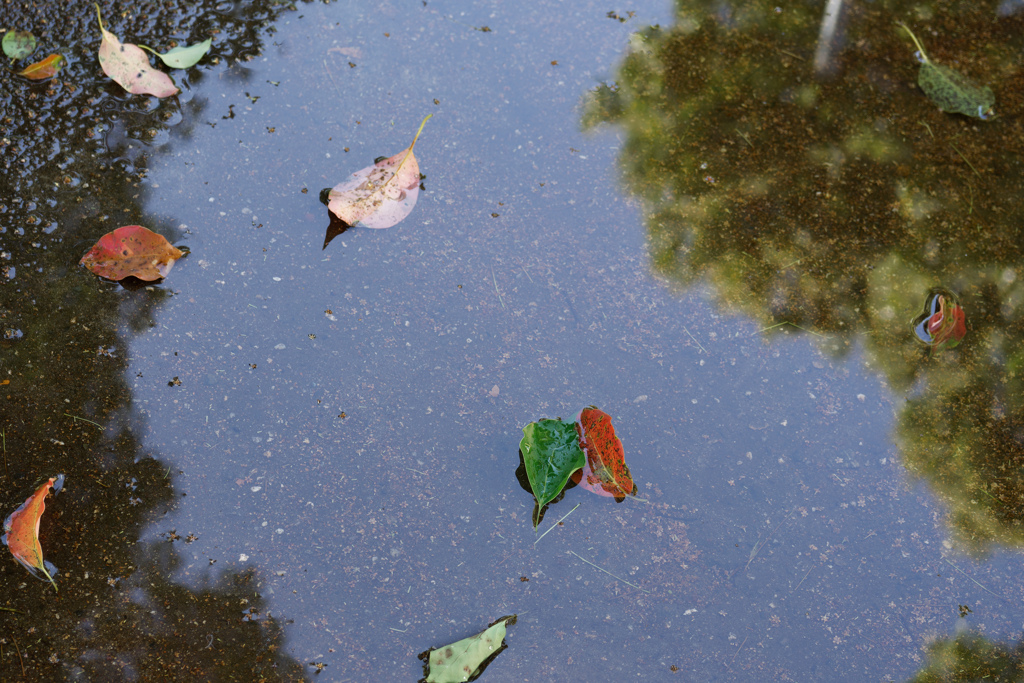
(19,44)
(943,324)
(21,532)
(44,69)
(551,452)
(952,91)
(131,250)
(381,195)
(183,57)
(466,659)
(606,472)
(128,65)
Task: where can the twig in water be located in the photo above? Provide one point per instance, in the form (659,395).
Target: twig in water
(556,524)
(495,281)
(526,274)
(9,609)
(397,629)
(3,437)
(76,419)
(740,648)
(786,322)
(972,579)
(802,580)
(756,549)
(609,573)
(695,340)
(18,649)
(743,135)
(965,159)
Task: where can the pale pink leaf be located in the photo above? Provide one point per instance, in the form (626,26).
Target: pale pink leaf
(381,195)
(129,66)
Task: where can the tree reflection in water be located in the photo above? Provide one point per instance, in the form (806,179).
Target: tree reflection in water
(835,201)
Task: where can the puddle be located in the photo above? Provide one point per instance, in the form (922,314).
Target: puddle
(297,454)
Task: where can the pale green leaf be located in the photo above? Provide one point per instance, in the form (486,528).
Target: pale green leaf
(465,659)
(184,57)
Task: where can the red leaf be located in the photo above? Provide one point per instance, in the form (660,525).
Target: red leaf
(21,531)
(43,69)
(131,250)
(606,472)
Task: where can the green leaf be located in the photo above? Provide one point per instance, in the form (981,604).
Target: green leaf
(466,659)
(183,57)
(953,92)
(551,452)
(19,44)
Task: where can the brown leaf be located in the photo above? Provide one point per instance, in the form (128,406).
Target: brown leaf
(43,69)
(131,250)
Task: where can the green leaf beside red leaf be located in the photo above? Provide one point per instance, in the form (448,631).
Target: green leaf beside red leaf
(551,452)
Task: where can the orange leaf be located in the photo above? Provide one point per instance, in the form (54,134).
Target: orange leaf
(606,472)
(21,532)
(44,69)
(381,195)
(129,66)
(131,250)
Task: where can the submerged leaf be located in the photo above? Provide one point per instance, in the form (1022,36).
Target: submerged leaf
(21,532)
(43,69)
(183,57)
(606,472)
(19,44)
(551,452)
(953,92)
(131,250)
(128,65)
(943,324)
(381,195)
(466,659)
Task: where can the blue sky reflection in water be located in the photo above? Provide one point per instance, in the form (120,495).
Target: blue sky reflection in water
(345,419)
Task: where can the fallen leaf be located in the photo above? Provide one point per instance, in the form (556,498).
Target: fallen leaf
(381,195)
(21,532)
(606,472)
(19,44)
(943,324)
(43,69)
(183,57)
(551,452)
(466,659)
(953,92)
(128,65)
(132,250)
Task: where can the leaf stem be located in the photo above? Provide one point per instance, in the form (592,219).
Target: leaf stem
(609,573)
(98,15)
(556,524)
(422,123)
(76,418)
(924,55)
